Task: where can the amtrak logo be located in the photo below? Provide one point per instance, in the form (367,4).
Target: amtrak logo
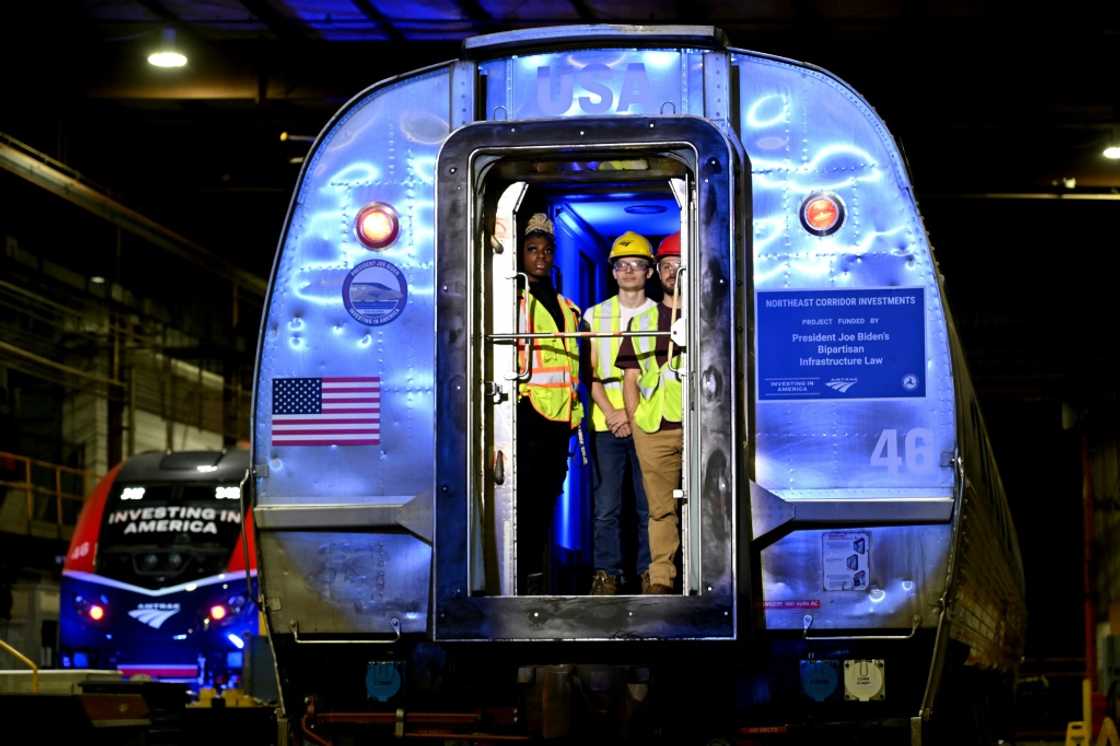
(910,382)
(154,615)
(841,384)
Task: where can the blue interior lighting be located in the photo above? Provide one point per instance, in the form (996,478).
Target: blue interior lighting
(611,216)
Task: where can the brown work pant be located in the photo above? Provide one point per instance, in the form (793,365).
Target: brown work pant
(659,455)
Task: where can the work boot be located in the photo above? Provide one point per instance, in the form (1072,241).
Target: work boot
(645,582)
(603,584)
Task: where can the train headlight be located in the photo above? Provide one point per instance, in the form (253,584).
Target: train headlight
(822,214)
(92,609)
(377,225)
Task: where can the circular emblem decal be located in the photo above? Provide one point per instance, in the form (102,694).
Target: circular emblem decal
(375,292)
(910,382)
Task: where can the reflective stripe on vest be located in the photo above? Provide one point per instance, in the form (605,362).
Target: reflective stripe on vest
(659,386)
(553,381)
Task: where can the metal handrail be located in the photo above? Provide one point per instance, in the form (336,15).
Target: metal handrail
(570,335)
(673,317)
(394,622)
(46,464)
(26,661)
(521,375)
(31,489)
(807,622)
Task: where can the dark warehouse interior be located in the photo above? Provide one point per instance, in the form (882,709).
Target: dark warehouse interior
(1002,113)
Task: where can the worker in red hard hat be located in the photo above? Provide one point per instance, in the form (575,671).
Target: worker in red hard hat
(652,391)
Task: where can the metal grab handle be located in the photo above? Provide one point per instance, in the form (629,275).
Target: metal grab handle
(571,335)
(25,661)
(673,319)
(245,481)
(518,374)
(807,622)
(395,622)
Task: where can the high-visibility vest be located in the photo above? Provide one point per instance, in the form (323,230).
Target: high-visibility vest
(607,317)
(659,386)
(552,386)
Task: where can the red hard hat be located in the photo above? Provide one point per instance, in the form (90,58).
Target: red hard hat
(670,246)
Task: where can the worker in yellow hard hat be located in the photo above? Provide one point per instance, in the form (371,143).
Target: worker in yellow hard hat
(631,260)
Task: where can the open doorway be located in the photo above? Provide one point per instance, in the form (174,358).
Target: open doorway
(533,536)
(589,181)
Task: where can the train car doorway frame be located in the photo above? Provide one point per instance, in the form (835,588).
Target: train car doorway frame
(714,333)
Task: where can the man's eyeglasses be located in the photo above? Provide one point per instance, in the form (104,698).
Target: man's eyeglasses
(670,264)
(636,265)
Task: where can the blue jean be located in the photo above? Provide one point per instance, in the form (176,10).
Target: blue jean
(612,456)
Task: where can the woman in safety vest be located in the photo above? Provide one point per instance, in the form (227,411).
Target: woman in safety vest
(548,406)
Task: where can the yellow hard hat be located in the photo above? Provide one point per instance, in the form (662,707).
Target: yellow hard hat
(631,244)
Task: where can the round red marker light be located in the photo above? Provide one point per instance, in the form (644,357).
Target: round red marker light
(822,214)
(96,613)
(217,612)
(377,225)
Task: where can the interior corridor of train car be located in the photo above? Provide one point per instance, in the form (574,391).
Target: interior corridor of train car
(590,204)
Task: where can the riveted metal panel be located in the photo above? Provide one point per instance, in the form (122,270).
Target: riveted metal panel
(807,133)
(908,566)
(318,503)
(346,583)
(380,149)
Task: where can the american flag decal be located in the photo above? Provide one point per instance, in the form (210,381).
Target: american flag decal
(340,411)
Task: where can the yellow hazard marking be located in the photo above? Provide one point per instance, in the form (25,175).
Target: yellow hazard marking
(1108,735)
(1076,734)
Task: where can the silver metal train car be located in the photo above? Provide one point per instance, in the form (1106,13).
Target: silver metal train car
(847,545)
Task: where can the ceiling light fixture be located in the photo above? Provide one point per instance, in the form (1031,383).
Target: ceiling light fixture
(645,209)
(167,56)
(1112,153)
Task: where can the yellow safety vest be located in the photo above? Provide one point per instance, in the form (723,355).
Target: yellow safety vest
(552,386)
(607,317)
(660,386)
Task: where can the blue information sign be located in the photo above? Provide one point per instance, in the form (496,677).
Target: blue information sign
(841,344)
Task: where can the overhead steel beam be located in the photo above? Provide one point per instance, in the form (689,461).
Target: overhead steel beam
(180,27)
(157,8)
(475,12)
(370,11)
(67,369)
(583,10)
(39,170)
(282,26)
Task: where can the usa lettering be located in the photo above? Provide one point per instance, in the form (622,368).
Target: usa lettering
(594,88)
